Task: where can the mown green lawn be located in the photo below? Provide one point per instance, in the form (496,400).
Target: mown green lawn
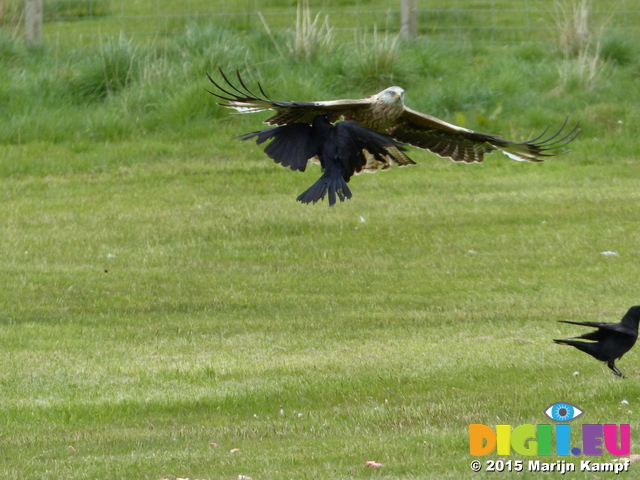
(150,310)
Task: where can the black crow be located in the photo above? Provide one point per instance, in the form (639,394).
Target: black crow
(343,149)
(610,341)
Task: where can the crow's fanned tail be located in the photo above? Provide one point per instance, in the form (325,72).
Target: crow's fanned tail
(330,182)
(586,347)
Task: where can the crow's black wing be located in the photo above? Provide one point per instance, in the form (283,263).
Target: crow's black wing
(291,145)
(366,149)
(611,327)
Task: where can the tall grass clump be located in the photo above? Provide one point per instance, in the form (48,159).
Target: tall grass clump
(310,37)
(11,49)
(375,61)
(574,34)
(618,48)
(200,47)
(114,67)
(11,15)
(579,42)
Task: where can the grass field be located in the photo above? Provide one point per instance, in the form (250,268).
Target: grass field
(168,310)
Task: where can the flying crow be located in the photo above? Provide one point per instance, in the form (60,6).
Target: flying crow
(343,149)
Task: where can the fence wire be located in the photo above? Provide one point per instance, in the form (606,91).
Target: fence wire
(487,21)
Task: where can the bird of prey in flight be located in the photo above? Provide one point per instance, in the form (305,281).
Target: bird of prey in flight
(610,341)
(385,112)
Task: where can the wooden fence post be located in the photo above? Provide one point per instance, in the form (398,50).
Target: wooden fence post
(408,19)
(33,22)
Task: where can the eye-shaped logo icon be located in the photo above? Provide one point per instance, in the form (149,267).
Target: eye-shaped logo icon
(563,412)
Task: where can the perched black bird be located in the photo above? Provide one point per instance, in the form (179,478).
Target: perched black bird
(610,341)
(343,149)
